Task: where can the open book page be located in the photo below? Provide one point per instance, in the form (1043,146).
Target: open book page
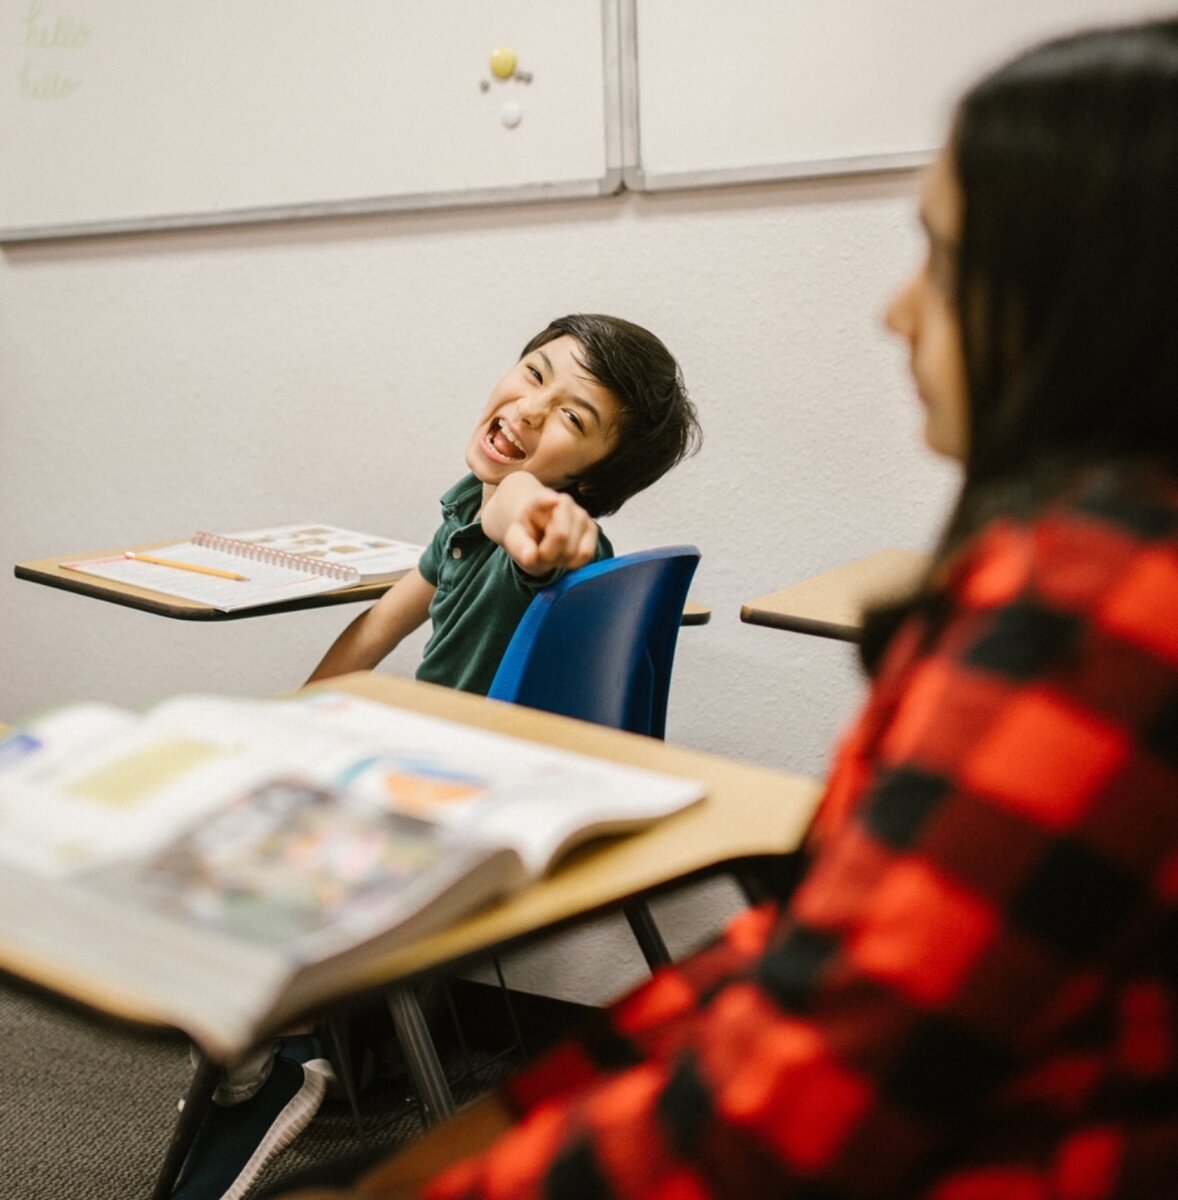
(243,915)
(261,583)
(85,802)
(540,800)
(61,735)
(220,858)
(374,557)
(234,571)
(189,864)
(185,756)
(295,864)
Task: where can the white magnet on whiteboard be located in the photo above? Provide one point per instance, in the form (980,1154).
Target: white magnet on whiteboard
(511,115)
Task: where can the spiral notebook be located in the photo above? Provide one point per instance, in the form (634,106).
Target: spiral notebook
(231,571)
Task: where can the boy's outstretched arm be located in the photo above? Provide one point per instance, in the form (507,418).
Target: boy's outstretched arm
(374,633)
(542,529)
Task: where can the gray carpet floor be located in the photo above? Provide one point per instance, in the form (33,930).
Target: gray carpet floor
(87,1106)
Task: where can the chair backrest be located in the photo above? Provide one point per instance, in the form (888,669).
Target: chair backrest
(599,643)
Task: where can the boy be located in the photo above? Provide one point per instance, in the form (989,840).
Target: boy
(594,411)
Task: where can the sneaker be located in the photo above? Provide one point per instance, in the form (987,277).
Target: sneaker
(236,1141)
(245,1077)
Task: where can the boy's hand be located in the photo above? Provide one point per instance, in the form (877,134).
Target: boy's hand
(552,531)
(540,528)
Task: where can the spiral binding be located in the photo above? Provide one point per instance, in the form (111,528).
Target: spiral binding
(276,558)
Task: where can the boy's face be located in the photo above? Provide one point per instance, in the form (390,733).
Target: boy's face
(547,416)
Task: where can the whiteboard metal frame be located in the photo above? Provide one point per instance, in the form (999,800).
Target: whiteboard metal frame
(610,183)
(637,180)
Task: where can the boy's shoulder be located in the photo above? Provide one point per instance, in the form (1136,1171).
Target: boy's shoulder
(461,495)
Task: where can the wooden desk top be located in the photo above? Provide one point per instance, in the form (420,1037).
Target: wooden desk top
(748,812)
(49,571)
(695,613)
(832,604)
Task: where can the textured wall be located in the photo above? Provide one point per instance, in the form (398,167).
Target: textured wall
(152,385)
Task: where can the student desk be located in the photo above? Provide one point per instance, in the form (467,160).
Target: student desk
(748,815)
(832,604)
(51,573)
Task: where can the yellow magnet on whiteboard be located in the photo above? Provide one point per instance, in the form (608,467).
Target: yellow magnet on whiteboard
(503,63)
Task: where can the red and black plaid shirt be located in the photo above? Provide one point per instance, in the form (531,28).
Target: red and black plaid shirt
(973,994)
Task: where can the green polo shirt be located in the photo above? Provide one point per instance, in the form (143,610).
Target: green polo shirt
(481,594)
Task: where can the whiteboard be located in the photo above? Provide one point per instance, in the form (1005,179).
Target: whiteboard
(774,89)
(134,114)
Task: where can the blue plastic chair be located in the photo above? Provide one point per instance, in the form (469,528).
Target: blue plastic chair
(598,644)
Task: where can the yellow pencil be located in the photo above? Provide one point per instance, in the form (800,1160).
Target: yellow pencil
(183,566)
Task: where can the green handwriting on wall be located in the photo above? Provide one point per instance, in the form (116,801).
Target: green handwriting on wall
(50,37)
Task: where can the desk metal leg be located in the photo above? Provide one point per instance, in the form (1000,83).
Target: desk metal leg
(428,1076)
(341,1041)
(196,1105)
(654,949)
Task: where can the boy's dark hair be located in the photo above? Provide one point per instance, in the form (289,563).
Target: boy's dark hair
(1066,276)
(659,423)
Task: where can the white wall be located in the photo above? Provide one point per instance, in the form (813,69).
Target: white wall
(151,385)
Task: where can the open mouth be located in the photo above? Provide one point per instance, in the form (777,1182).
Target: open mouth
(504,442)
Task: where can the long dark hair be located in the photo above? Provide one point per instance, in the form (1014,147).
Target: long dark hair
(1067,274)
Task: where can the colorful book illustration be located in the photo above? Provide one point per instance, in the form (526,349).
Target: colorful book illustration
(219,859)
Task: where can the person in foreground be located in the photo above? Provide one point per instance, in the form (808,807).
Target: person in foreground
(971,994)
(594,411)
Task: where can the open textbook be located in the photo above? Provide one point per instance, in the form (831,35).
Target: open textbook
(232,571)
(222,859)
